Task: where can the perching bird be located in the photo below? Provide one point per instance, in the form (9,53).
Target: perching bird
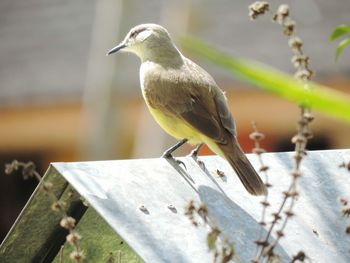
(185,100)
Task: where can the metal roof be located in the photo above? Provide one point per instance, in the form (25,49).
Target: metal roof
(118,189)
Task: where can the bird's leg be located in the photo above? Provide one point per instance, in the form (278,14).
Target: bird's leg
(194,155)
(195,151)
(168,153)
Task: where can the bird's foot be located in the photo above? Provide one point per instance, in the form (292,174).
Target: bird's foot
(168,153)
(194,156)
(195,151)
(169,156)
(200,163)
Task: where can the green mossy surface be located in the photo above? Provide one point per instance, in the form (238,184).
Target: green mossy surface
(34,226)
(36,235)
(99,242)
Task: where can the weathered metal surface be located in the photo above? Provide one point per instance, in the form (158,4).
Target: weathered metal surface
(117,190)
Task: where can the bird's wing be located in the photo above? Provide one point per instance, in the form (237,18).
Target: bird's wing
(195,98)
(202,118)
(225,115)
(210,115)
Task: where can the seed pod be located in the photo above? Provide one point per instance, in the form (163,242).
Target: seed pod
(67,222)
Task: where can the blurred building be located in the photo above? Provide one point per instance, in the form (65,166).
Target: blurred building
(62,99)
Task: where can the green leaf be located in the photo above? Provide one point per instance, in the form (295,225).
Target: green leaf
(340,47)
(332,102)
(339,31)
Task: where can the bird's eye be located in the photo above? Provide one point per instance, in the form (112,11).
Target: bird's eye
(133,34)
(136,32)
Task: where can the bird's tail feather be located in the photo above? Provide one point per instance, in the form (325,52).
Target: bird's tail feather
(243,168)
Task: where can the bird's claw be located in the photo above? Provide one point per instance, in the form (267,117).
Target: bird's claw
(181,163)
(168,156)
(200,163)
(194,156)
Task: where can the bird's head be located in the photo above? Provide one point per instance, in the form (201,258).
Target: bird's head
(147,41)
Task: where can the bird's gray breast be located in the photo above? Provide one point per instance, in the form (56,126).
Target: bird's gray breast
(168,89)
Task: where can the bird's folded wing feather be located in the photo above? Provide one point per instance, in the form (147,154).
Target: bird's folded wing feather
(197,100)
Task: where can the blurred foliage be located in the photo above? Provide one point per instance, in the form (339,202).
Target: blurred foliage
(331,102)
(340,31)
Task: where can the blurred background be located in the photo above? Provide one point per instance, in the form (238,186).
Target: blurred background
(62,99)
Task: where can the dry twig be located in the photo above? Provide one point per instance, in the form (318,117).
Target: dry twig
(67,222)
(301,63)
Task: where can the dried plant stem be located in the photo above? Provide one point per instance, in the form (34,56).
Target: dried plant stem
(67,222)
(344,202)
(257,136)
(61,254)
(301,63)
(223,250)
(266,250)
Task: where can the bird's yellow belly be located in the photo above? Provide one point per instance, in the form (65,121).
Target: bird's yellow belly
(179,129)
(176,127)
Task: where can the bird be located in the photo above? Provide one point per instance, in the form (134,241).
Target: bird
(186,101)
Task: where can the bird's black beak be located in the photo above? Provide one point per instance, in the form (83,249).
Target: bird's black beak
(115,49)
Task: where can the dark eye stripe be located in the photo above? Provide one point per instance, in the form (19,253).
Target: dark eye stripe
(136,32)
